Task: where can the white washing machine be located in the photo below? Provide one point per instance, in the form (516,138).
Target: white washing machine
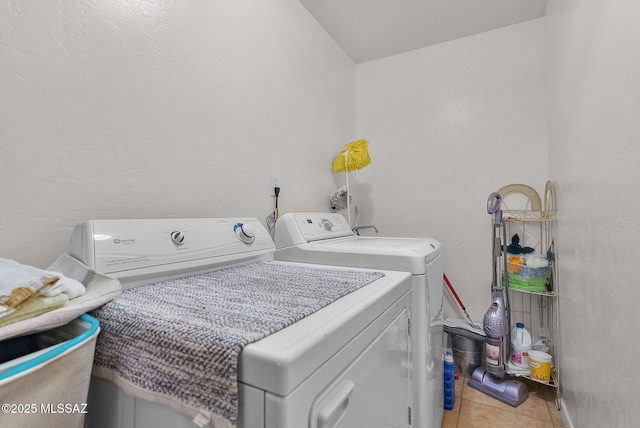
(327,238)
(344,365)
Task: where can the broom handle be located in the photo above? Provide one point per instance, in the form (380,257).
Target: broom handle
(444,275)
(458,299)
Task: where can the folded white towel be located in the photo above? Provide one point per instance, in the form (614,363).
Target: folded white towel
(68,286)
(517,370)
(99,290)
(19,282)
(37,305)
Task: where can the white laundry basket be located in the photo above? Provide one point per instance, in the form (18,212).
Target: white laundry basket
(47,385)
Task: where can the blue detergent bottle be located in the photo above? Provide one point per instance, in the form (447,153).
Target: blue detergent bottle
(449,380)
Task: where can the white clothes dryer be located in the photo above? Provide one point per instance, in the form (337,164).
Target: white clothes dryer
(344,364)
(327,238)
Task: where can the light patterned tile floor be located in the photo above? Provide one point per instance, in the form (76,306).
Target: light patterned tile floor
(473,409)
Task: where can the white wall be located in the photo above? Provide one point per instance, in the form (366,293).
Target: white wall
(593,77)
(119,109)
(447,125)
(169,109)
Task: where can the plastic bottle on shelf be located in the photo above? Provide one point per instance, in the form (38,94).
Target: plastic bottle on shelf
(449,380)
(520,346)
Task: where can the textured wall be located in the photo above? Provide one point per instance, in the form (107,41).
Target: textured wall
(593,77)
(448,125)
(140,109)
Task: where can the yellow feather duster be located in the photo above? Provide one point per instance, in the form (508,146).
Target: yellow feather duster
(354,156)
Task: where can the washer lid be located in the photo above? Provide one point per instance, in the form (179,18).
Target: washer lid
(412,255)
(326,239)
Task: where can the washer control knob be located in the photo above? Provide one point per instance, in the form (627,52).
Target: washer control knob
(177,237)
(326,224)
(245,232)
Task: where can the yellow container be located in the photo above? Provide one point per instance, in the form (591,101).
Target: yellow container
(514,264)
(540,366)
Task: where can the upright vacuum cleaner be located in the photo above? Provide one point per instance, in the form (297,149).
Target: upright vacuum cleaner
(496,327)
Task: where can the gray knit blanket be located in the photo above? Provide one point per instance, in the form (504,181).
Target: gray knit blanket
(177,342)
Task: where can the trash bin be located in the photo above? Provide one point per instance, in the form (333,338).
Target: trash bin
(467,354)
(468,350)
(44,377)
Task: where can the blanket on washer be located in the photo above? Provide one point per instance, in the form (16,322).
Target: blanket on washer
(178,342)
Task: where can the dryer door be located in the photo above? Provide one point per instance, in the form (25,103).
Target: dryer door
(374,391)
(367,384)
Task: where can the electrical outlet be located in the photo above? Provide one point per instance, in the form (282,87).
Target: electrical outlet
(274,181)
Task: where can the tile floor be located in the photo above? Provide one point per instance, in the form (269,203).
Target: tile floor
(473,409)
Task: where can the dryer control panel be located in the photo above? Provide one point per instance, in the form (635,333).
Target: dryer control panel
(294,229)
(134,250)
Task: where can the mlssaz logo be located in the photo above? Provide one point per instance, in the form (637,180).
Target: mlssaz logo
(124,241)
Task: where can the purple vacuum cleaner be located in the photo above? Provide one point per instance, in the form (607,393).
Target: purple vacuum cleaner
(495,324)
